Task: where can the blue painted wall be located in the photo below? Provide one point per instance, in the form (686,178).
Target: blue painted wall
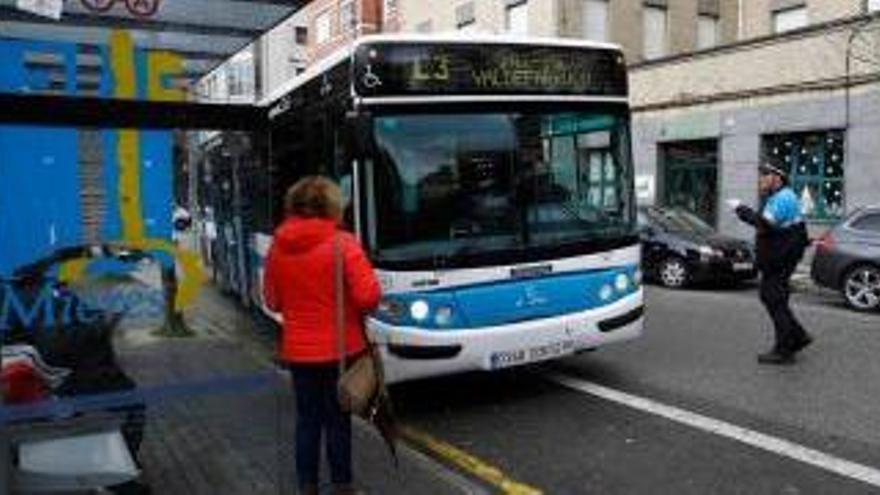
(39,167)
(39,193)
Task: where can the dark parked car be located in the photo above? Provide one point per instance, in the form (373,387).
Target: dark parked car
(678,249)
(848,259)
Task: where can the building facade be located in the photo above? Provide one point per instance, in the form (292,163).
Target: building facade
(767,17)
(806,99)
(334,23)
(718,86)
(645,29)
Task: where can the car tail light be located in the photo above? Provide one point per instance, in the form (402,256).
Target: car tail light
(826,242)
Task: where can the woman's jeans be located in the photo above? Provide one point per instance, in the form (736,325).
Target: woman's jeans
(317,412)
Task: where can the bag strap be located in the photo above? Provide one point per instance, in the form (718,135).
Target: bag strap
(339,293)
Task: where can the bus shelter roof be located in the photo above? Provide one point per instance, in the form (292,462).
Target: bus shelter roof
(203,33)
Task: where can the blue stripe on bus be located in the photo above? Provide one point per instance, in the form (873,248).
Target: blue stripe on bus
(510,301)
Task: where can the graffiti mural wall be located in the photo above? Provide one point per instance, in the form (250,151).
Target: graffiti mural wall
(63,187)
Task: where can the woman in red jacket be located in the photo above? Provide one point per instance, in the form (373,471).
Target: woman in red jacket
(299,284)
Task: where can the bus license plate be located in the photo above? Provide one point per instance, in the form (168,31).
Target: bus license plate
(743,267)
(505,359)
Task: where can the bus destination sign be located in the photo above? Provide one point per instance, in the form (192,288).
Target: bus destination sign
(395,69)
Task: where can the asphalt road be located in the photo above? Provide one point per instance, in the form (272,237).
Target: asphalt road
(698,355)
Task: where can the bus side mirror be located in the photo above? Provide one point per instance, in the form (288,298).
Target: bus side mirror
(357,131)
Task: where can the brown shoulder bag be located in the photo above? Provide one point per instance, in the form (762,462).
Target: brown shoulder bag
(360,382)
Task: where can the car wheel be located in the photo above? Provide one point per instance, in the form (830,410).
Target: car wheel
(861,287)
(674,273)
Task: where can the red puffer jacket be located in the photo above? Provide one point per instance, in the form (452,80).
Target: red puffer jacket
(299,283)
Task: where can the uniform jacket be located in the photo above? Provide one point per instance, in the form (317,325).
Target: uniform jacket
(299,283)
(780,233)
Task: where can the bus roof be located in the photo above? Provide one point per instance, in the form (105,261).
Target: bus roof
(448,38)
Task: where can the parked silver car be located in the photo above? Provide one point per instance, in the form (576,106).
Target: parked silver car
(848,259)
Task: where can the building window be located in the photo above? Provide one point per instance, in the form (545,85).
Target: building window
(348,16)
(240,75)
(687,177)
(465,16)
(656,32)
(787,20)
(516,19)
(595,20)
(873,5)
(389,9)
(815,163)
(707,32)
(301,34)
(322,28)
(425,27)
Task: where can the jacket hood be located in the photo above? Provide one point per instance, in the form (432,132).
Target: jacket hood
(297,235)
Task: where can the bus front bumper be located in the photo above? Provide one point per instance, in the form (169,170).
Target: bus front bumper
(412,353)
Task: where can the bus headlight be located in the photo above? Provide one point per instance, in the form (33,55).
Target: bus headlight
(443,315)
(606,292)
(419,310)
(621,282)
(391,309)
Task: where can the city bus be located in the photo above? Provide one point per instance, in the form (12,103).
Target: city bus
(490,179)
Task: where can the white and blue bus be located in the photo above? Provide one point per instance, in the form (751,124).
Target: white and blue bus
(490,180)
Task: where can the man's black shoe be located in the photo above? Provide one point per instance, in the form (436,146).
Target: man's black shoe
(803,343)
(775,357)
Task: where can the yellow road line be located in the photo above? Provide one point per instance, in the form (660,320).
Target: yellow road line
(450,454)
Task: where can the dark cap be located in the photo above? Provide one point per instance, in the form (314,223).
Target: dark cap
(766,169)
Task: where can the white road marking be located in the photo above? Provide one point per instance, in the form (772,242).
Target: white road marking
(776,445)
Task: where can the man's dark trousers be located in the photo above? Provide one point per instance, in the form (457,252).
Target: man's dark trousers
(775,294)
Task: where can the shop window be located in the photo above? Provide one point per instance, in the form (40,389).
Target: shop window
(689,177)
(815,162)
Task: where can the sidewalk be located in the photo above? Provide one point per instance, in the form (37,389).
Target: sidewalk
(241,441)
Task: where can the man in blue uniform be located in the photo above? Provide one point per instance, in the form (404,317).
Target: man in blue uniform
(781,238)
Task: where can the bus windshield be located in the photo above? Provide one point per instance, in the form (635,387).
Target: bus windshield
(447,185)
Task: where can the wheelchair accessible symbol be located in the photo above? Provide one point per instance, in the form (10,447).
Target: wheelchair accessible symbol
(370,79)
